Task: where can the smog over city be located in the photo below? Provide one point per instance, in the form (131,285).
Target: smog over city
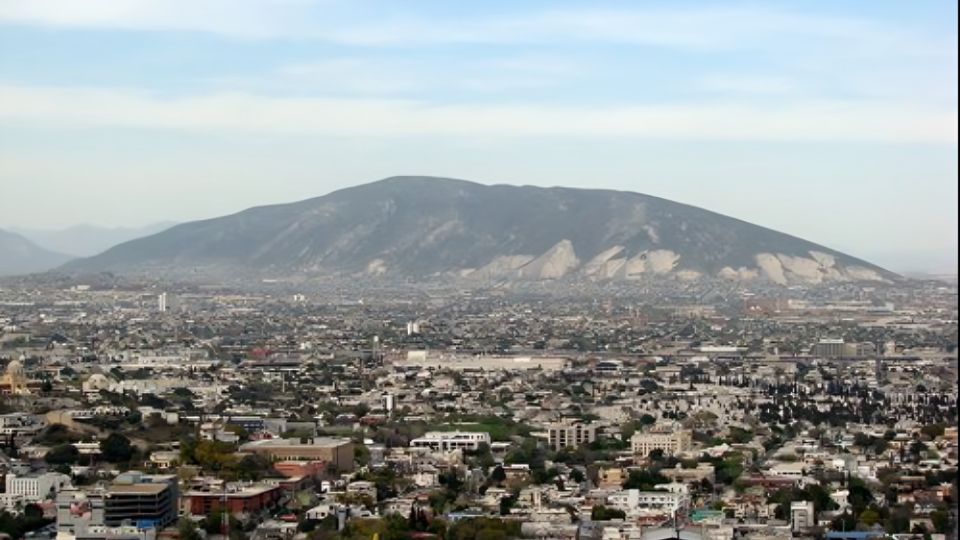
(568,270)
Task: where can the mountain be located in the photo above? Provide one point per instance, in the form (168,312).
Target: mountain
(86,240)
(21,256)
(419,227)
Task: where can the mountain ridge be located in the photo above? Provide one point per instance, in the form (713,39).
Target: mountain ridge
(420,227)
(85,239)
(18,255)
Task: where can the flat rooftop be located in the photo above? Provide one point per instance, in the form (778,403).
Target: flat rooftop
(137,489)
(315,442)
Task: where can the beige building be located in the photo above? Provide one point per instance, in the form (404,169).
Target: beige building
(671,440)
(611,477)
(338,452)
(570,434)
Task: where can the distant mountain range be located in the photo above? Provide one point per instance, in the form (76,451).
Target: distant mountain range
(18,255)
(425,227)
(86,240)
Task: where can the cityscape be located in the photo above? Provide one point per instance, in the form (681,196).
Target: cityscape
(498,270)
(134,412)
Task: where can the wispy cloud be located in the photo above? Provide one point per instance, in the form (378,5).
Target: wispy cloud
(355,23)
(805,121)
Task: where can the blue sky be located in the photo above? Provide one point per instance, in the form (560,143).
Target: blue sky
(834,121)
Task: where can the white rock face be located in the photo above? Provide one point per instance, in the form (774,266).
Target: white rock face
(860,273)
(561,260)
(819,268)
(658,261)
(801,269)
(825,259)
(771,267)
(598,266)
(661,261)
(500,267)
(557,262)
(377,267)
(741,274)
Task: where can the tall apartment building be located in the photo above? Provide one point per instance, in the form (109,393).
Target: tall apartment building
(573,434)
(671,440)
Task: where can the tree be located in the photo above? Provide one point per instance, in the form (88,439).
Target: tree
(860,496)
(188,529)
(602,513)
(643,480)
(870,517)
(498,475)
(941,521)
(116,448)
(64,454)
(844,522)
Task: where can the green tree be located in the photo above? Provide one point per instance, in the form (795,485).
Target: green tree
(116,448)
(602,513)
(188,530)
(870,517)
(64,454)
(941,521)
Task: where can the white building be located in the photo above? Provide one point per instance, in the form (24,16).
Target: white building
(451,440)
(801,515)
(630,500)
(19,423)
(36,488)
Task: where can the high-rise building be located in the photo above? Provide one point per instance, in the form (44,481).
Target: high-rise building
(162,302)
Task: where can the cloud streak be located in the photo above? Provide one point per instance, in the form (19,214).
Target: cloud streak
(360,24)
(235,112)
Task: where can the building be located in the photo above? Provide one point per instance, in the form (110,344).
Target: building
(236,498)
(801,515)
(570,434)
(703,471)
(140,498)
(135,507)
(611,477)
(630,500)
(477,363)
(18,424)
(670,440)
(333,451)
(162,302)
(838,348)
(34,489)
(451,440)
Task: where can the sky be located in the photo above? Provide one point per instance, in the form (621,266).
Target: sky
(832,121)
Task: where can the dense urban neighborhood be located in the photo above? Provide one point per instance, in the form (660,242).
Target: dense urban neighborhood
(140,411)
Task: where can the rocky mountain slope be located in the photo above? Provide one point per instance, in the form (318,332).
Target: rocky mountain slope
(420,227)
